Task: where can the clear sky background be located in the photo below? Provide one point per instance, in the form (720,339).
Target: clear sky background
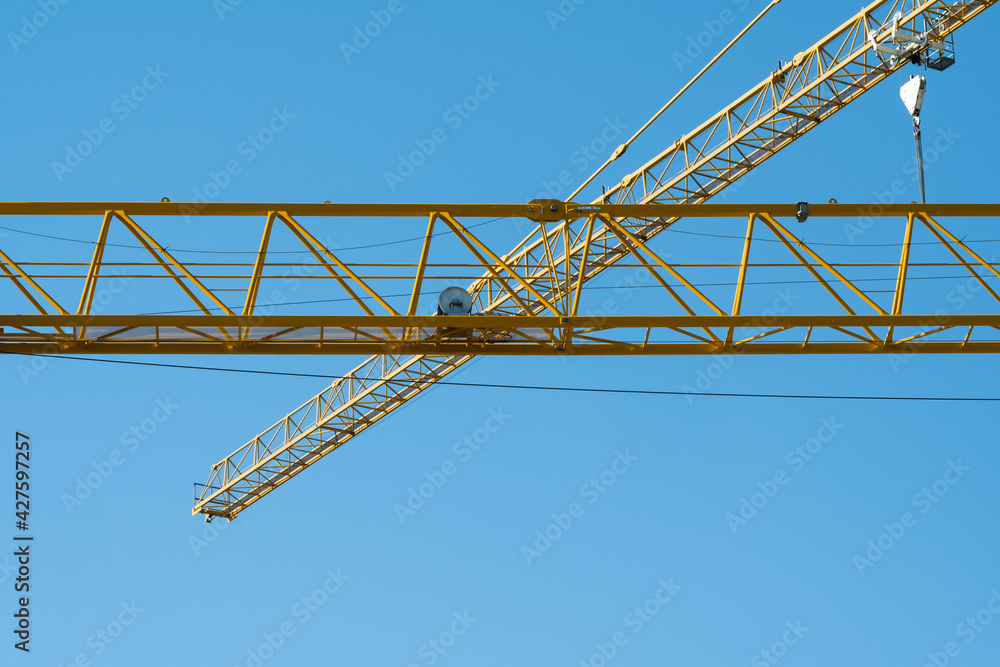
(452,585)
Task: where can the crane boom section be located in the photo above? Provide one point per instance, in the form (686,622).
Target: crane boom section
(556,259)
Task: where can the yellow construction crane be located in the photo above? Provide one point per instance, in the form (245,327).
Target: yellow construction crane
(527,300)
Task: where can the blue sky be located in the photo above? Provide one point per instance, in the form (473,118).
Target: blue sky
(644,563)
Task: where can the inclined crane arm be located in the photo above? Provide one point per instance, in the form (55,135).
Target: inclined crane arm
(565,251)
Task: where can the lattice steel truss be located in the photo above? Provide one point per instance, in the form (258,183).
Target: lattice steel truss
(528,300)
